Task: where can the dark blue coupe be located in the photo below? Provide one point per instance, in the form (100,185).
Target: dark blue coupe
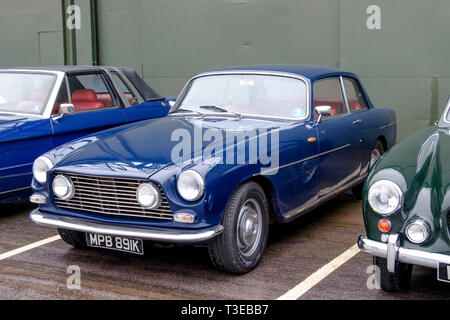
(241,149)
(42,108)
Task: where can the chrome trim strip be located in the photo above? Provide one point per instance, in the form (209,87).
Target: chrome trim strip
(303,160)
(15,190)
(256,72)
(152,234)
(388,125)
(408,256)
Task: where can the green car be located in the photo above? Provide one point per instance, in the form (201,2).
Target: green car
(406,204)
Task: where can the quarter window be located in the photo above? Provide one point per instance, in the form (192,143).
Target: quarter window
(356,101)
(327,92)
(129,94)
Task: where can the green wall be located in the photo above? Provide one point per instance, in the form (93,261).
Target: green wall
(403,65)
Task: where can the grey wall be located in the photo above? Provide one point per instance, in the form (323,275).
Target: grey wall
(403,66)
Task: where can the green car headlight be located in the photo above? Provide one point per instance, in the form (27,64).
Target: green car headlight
(385,197)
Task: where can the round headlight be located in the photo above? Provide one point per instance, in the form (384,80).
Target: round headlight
(40,168)
(63,187)
(417,232)
(148,196)
(190,185)
(385,197)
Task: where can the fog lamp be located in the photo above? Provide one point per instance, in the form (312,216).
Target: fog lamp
(417,231)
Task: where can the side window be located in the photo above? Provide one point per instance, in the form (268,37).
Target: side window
(129,94)
(90,92)
(355,97)
(327,92)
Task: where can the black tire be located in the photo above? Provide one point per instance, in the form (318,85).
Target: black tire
(357,190)
(227,251)
(73,238)
(394,282)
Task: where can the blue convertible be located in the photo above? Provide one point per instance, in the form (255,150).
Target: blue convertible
(42,108)
(241,148)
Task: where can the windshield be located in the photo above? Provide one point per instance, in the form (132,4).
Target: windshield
(447,117)
(246,94)
(25,92)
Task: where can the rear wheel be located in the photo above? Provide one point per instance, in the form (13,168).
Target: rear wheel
(73,238)
(397,281)
(376,154)
(239,248)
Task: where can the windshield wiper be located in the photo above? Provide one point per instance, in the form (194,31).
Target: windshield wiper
(219,109)
(185,110)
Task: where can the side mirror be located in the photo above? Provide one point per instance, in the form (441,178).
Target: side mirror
(64,108)
(323,111)
(171,103)
(67,108)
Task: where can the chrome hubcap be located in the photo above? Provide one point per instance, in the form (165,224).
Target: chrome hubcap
(374,157)
(249,227)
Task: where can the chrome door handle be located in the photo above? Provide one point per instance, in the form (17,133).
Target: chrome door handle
(357,121)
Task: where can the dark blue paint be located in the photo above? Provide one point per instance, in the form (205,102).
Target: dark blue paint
(23,139)
(143,150)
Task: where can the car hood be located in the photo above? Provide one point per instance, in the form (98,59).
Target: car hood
(423,161)
(142,149)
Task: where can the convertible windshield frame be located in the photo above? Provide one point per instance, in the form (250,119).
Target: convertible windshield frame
(49,103)
(305,80)
(445,120)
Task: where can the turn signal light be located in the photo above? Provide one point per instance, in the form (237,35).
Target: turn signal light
(384,225)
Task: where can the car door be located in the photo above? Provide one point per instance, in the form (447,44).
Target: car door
(96,107)
(339,138)
(359,112)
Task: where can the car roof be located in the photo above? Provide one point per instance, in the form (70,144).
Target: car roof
(311,72)
(63,68)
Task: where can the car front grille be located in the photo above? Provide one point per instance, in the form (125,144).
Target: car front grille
(112,197)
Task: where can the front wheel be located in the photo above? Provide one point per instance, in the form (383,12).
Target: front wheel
(397,281)
(73,238)
(246,226)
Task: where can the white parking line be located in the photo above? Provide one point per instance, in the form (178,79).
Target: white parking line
(319,275)
(28,247)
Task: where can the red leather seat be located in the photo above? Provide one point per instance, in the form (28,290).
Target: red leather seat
(354,105)
(85,99)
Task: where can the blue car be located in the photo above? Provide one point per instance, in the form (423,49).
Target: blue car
(42,108)
(241,149)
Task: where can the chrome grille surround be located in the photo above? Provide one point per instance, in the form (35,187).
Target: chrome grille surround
(111,196)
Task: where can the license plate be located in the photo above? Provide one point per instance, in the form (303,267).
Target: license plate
(130,245)
(444,272)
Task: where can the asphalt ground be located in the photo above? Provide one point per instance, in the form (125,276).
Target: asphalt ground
(312,258)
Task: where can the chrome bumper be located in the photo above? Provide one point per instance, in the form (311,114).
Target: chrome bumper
(152,234)
(393,252)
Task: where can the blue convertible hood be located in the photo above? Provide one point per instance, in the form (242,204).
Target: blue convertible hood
(143,148)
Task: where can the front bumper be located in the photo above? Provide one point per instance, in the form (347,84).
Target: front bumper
(151,234)
(393,253)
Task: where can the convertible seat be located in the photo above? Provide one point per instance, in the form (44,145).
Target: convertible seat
(334,104)
(354,105)
(85,99)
